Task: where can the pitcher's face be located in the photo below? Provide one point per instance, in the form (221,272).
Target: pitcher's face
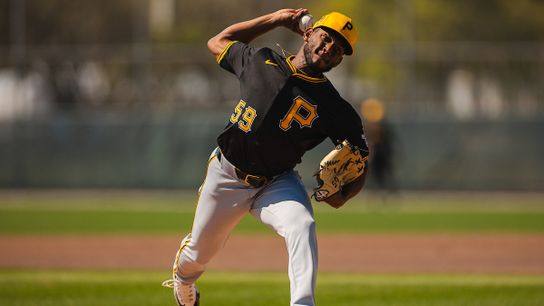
(323,49)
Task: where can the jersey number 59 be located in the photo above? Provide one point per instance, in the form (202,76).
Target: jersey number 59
(247,114)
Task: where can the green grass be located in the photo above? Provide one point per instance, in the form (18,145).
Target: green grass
(39,221)
(157,212)
(80,213)
(60,288)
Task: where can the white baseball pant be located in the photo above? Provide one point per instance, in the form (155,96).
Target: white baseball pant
(281,204)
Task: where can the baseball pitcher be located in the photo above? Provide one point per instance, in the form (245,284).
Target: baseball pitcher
(286,107)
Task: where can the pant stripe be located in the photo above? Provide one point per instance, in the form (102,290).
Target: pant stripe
(206,174)
(178,255)
(188,238)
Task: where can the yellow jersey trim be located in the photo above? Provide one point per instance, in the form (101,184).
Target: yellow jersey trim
(269,62)
(301,75)
(288,60)
(222,54)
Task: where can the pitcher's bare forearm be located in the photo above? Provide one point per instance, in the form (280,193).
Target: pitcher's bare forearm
(246,31)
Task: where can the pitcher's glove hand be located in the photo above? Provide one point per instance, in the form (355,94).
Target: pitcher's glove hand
(341,166)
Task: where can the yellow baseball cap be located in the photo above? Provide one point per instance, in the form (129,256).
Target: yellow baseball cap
(341,24)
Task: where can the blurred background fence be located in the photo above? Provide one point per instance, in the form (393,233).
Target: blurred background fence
(124,94)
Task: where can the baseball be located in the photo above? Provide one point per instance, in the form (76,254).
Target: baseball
(306,22)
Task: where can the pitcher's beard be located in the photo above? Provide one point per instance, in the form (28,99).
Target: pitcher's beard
(311,68)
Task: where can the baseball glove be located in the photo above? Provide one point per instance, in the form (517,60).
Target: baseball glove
(341,166)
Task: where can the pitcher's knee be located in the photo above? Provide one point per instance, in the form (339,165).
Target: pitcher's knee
(300,226)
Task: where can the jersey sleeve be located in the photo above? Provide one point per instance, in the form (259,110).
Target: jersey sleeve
(348,126)
(235,56)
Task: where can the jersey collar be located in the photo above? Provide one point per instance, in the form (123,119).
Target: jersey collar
(299,74)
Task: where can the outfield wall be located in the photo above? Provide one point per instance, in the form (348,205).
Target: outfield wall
(166,152)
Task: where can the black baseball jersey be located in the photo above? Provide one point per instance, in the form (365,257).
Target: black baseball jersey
(282,113)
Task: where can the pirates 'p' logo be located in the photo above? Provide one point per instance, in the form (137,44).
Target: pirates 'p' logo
(302,112)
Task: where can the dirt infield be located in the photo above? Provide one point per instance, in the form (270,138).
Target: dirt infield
(382,253)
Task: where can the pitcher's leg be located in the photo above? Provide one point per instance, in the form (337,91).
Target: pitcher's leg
(285,207)
(222,203)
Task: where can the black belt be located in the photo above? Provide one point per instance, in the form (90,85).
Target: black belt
(250,179)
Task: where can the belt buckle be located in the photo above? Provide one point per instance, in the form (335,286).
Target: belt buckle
(258,181)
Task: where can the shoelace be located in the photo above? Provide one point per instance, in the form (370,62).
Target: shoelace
(169,283)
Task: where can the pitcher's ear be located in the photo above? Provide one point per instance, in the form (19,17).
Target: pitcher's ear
(307,34)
